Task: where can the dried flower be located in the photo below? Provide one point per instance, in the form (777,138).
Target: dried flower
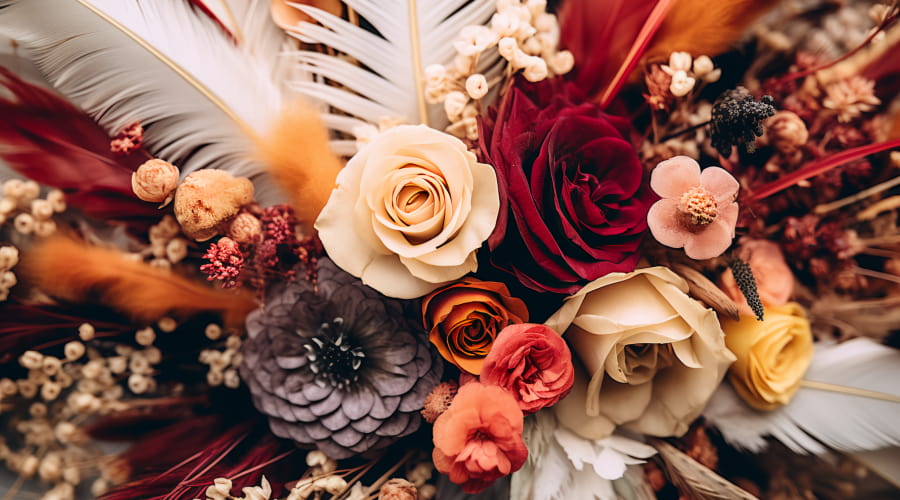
(213,331)
(535,69)
(73,350)
(225,262)
(562,62)
(57,200)
(176,250)
(851,97)
(245,229)
(786,131)
(44,228)
(41,209)
(207,198)
(678,61)
(155,181)
(439,400)
(743,276)
(737,120)
(698,210)
(398,489)
(703,66)
(474,40)
(455,103)
(128,140)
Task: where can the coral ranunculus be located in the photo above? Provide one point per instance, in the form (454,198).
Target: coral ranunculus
(465,317)
(573,198)
(479,439)
(533,363)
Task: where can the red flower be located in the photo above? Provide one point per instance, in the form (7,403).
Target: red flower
(533,363)
(479,439)
(573,198)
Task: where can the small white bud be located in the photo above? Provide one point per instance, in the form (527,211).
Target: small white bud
(213,331)
(680,61)
(535,69)
(546,23)
(73,350)
(508,47)
(176,250)
(86,331)
(7,205)
(703,65)
(562,62)
(8,280)
(504,25)
(476,86)
(167,324)
(532,46)
(57,200)
(9,257)
(30,190)
(24,223)
(681,84)
(44,228)
(435,75)
(138,383)
(31,360)
(145,336)
(41,209)
(231,379)
(455,103)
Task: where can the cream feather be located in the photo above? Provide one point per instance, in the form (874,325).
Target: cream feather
(200,97)
(850,402)
(387,82)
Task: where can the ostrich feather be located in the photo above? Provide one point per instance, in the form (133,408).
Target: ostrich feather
(307,178)
(849,401)
(125,61)
(46,139)
(388,81)
(78,273)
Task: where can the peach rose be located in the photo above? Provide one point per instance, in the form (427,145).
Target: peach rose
(772,355)
(479,439)
(774,279)
(155,181)
(409,211)
(654,356)
(465,317)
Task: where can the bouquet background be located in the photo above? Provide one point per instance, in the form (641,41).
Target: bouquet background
(507,249)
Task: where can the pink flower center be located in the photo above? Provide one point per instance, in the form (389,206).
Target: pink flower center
(699,206)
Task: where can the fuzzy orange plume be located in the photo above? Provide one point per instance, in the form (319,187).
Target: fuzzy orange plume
(298,157)
(76,272)
(701,27)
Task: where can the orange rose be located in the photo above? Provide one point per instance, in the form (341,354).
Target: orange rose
(465,317)
(479,439)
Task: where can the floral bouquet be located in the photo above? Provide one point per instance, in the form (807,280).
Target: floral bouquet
(449,249)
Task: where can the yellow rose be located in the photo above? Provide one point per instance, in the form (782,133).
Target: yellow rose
(409,211)
(772,355)
(654,355)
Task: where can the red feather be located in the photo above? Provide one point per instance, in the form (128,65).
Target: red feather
(821,166)
(38,327)
(47,139)
(182,460)
(599,34)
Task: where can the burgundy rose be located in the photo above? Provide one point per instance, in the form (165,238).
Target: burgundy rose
(573,198)
(533,363)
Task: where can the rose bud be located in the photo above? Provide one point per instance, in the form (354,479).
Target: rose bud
(155,181)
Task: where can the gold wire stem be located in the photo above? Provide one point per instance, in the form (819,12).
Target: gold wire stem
(418,73)
(853,391)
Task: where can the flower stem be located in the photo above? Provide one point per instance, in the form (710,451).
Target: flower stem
(684,131)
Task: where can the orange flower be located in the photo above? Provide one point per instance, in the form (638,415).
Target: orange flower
(479,439)
(465,317)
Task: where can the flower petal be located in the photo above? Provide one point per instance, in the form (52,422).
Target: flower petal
(672,177)
(721,184)
(664,224)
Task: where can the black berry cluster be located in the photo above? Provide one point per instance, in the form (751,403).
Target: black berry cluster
(737,120)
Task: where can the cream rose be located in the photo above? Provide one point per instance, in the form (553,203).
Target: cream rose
(772,355)
(654,356)
(155,181)
(409,211)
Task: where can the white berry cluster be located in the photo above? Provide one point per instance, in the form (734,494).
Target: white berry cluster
(524,34)
(223,364)
(30,214)
(685,71)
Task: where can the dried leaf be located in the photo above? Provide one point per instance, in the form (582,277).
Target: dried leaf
(693,479)
(707,291)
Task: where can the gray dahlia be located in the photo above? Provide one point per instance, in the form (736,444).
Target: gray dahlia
(339,368)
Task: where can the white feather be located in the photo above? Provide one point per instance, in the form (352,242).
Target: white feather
(816,419)
(92,59)
(384,84)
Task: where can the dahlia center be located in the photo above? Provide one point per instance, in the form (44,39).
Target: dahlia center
(333,357)
(699,206)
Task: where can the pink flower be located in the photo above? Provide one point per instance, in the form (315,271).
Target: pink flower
(697,210)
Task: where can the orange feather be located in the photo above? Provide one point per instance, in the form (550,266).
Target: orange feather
(701,27)
(76,272)
(299,158)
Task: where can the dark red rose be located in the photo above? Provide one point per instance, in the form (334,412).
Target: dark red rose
(533,363)
(573,198)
